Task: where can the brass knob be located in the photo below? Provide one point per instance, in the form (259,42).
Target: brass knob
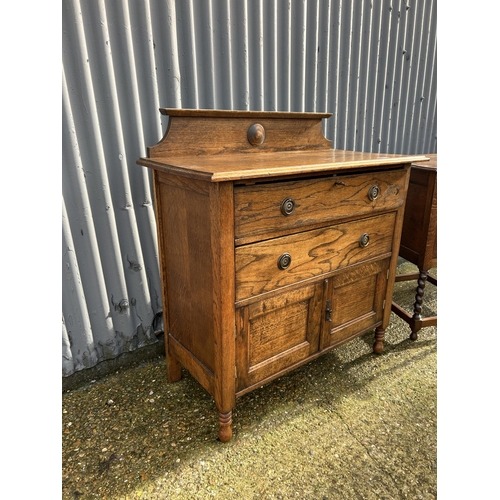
(364,240)
(256,134)
(287,206)
(373,192)
(284,261)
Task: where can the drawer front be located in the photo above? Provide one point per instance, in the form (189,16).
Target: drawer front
(268,265)
(267,207)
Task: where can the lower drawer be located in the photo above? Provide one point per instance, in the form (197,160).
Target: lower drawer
(272,264)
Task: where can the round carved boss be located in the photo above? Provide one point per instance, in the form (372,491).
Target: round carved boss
(284,261)
(364,240)
(256,134)
(373,192)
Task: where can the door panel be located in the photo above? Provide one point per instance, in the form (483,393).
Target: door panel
(355,302)
(276,333)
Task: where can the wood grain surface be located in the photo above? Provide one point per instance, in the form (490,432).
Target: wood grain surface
(242,167)
(313,254)
(274,248)
(258,207)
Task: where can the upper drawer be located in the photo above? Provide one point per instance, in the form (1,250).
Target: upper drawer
(275,263)
(268,207)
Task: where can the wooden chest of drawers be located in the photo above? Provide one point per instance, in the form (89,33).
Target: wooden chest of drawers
(274,248)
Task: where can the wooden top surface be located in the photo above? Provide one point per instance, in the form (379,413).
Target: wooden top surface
(223,113)
(429,165)
(245,166)
(228,145)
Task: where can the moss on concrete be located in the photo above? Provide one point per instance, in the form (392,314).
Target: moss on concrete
(350,425)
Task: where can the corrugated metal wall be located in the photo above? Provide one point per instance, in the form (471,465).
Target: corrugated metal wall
(370,63)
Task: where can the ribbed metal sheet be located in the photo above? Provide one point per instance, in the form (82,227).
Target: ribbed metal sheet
(371,64)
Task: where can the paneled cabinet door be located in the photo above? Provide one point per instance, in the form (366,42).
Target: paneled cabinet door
(354,302)
(275,333)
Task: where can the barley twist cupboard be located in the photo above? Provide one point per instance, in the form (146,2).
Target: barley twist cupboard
(274,247)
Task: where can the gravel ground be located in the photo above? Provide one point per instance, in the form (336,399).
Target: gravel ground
(350,425)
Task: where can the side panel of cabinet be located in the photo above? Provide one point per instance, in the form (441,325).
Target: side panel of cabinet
(418,238)
(430,259)
(355,302)
(186,262)
(276,333)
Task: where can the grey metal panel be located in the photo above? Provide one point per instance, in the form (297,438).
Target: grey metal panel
(371,64)
(67,356)
(112,245)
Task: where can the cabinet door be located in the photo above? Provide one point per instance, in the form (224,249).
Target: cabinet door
(274,334)
(354,302)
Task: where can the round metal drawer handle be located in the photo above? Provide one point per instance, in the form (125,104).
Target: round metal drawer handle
(284,261)
(364,240)
(373,192)
(287,206)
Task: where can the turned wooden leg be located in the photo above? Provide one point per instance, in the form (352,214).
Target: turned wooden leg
(225,431)
(417,307)
(378,345)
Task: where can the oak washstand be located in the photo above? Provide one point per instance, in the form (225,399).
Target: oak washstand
(274,248)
